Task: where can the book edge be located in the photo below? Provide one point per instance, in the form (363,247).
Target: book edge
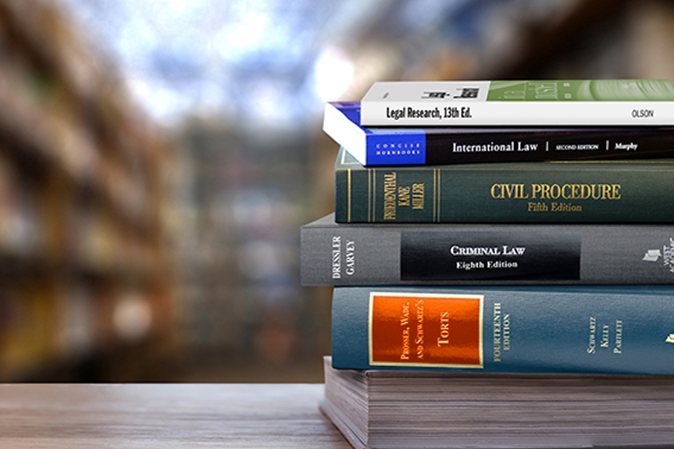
(345,132)
(352,439)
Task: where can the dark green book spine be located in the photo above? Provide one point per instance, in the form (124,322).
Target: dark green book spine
(530,192)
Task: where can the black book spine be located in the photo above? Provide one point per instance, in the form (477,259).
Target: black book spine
(521,145)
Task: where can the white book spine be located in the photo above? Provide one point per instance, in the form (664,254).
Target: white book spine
(510,113)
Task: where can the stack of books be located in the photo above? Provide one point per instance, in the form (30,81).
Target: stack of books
(502,256)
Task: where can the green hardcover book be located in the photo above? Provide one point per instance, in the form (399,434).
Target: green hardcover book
(527,192)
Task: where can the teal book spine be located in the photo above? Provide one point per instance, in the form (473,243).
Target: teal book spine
(564,329)
(522,192)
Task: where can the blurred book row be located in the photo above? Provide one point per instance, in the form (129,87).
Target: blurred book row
(82,249)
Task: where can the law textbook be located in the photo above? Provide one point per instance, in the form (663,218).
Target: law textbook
(632,102)
(434,145)
(542,329)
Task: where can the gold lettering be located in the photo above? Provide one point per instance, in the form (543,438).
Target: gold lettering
(595,196)
(503,191)
(605,191)
(444,329)
(521,192)
(390,186)
(405,319)
(418,196)
(494,194)
(618,337)
(405,355)
(420,322)
(555,191)
(497,332)
(403,196)
(576,191)
(585,192)
(616,192)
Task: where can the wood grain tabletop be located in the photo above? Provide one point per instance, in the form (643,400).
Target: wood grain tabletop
(165,416)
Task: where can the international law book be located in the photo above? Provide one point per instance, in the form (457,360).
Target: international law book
(517,192)
(635,102)
(533,329)
(451,410)
(456,145)
(483,254)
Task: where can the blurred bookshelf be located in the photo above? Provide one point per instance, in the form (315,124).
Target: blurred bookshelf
(246,193)
(85,269)
(514,39)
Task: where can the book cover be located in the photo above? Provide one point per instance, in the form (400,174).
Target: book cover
(516,192)
(456,145)
(634,102)
(564,329)
(481,254)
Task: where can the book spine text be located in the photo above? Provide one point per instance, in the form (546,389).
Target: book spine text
(554,330)
(506,193)
(483,255)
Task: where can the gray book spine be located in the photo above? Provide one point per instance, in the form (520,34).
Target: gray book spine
(449,254)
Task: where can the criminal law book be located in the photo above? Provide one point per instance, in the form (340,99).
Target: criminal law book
(415,409)
(455,145)
(534,329)
(515,192)
(463,254)
(633,102)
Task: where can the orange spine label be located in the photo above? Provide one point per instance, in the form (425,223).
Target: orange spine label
(426,330)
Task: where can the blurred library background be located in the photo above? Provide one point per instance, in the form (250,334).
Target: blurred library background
(158,157)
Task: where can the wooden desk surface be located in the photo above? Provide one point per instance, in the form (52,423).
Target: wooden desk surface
(165,416)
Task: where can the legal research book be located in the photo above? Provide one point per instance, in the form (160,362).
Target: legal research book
(630,102)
